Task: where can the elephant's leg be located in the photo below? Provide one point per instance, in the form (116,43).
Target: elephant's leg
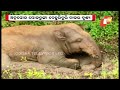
(70,63)
(90,63)
(59,61)
(86,60)
(97,63)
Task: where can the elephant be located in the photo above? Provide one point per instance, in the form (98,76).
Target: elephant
(49,44)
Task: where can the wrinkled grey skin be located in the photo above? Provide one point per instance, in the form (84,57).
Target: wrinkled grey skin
(38,43)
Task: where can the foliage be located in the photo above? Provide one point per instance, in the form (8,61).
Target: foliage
(33,73)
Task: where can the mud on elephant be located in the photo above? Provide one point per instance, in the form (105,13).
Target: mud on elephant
(50,45)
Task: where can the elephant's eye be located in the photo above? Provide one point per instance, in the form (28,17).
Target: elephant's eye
(79,40)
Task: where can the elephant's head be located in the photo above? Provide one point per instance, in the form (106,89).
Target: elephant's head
(75,40)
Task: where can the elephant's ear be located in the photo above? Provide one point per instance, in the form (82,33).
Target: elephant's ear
(60,35)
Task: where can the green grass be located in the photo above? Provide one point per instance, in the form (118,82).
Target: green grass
(105,37)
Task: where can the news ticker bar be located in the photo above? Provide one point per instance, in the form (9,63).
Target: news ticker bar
(50,17)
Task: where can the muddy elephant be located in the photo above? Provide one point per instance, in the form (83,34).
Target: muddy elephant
(49,44)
